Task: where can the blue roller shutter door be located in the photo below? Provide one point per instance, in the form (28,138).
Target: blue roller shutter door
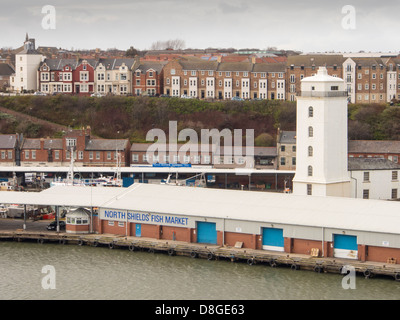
(345,246)
(272,239)
(206,232)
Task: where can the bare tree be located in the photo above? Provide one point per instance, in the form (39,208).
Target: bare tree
(175,44)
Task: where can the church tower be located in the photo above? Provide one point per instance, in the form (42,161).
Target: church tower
(321,152)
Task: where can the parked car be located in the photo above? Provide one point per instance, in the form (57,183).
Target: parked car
(97,95)
(237,99)
(184,96)
(53,225)
(38,93)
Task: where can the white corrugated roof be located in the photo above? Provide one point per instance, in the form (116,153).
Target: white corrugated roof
(329,212)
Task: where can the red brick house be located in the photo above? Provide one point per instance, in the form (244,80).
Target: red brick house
(9,155)
(83,77)
(374,149)
(87,151)
(148,78)
(55,76)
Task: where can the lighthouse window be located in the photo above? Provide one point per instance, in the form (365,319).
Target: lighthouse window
(310,171)
(310,112)
(310,152)
(310,132)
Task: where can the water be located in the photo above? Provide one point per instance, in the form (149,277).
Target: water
(84,272)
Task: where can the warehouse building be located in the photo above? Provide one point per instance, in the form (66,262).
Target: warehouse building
(367,230)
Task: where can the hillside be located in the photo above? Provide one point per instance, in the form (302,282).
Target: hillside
(133,117)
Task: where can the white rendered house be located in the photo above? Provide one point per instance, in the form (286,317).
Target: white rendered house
(27,63)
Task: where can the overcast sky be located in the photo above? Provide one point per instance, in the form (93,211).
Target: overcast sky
(308,25)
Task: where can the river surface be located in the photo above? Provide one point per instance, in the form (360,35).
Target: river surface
(83,272)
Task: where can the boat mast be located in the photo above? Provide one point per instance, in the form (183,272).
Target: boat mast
(70,175)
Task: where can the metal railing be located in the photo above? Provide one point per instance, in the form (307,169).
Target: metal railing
(323,94)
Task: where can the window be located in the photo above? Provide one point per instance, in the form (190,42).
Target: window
(394,193)
(97,155)
(310,112)
(366,176)
(283,161)
(365,194)
(310,171)
(135,157)
(394,175)
(309,189)
(310,132)
(283,148)
(71,142)
(91,155)
(310,151)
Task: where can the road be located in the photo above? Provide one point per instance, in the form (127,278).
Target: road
(15,224)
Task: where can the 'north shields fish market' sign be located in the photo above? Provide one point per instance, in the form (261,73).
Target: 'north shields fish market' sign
(122,215)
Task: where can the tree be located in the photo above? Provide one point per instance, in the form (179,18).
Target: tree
(131,52)
(176,44)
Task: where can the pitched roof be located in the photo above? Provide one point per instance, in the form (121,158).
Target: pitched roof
(235,66)
(6,69)
(31,144)
(106,144)
(148,65)
(8,141)
(197,64)
(53,144)
(373,146)
(371,164)
(369,61)
(287,137)
(269,67)
(112,64)
(59,64)
(317,60)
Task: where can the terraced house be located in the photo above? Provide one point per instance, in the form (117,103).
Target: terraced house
(114,76)
(195,78)
(365,79)
(147,77)
(85,150)
(302,66)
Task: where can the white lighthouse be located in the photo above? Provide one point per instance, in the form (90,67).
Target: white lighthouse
(321,159)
